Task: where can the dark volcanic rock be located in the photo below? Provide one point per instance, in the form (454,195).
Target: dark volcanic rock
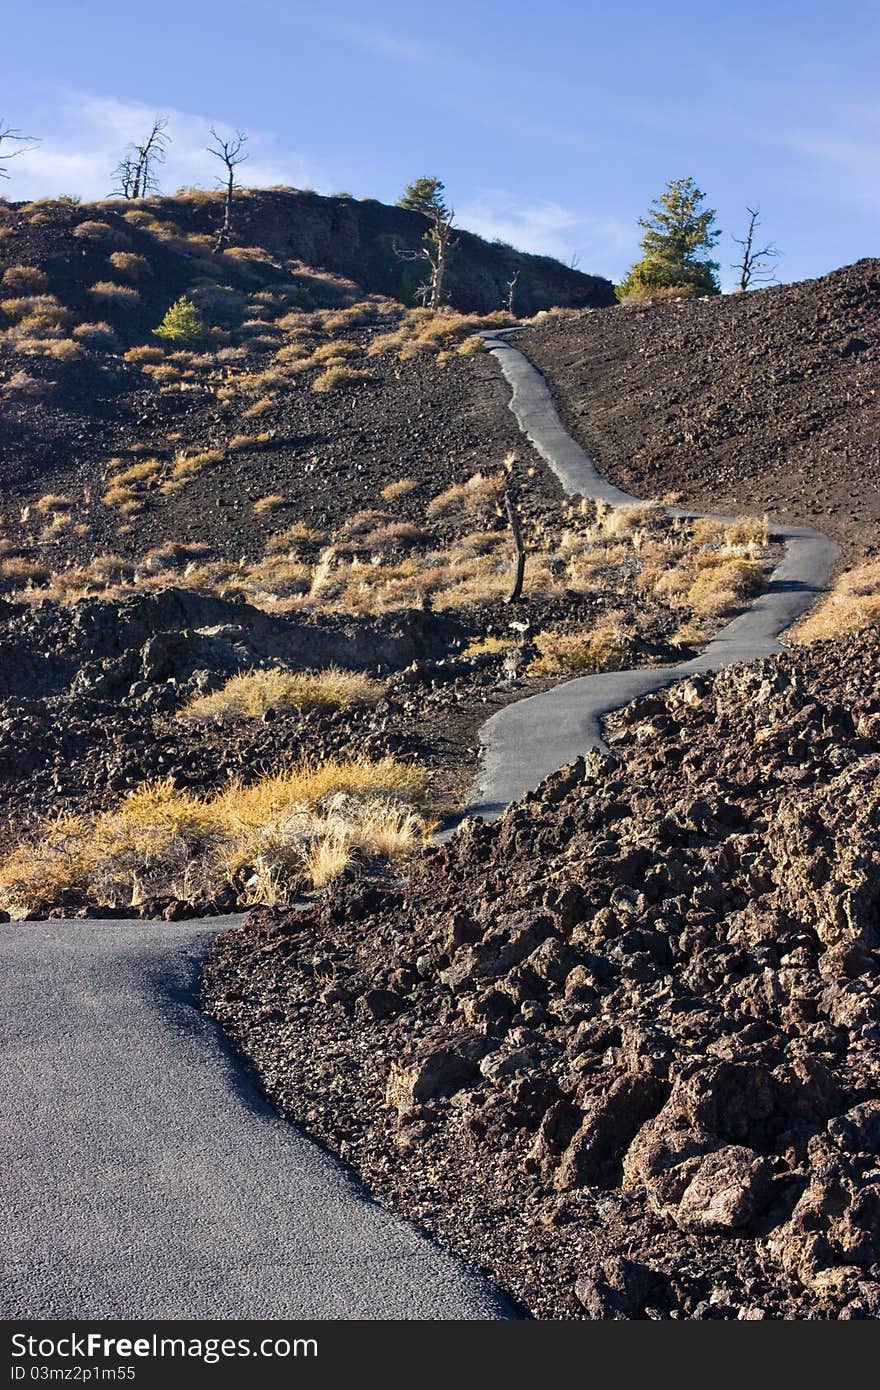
(637,1056)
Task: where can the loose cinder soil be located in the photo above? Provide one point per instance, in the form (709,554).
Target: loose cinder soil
(748,403)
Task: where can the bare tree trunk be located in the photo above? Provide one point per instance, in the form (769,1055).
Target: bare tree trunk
(512,516)
(511,293)
(230,154)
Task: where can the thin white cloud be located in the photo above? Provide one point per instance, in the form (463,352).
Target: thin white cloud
(600,245)
(83,136)
(842,167)
(382,41)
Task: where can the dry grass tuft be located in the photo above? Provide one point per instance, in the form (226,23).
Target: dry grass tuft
(604,648)
(336,376)
(853,604)
(145,354)
(53,502)
(488,646)
(99,234)
(272,503)
(99,336)
(401,488)
(267,840)
(24,279)
(723,584)
(478,494)
(249,696)
(115,296)
(133,267)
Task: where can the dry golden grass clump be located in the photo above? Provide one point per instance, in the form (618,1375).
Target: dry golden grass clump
(20,383)
(271,503)
(115,296)
(471,345)
(186,466)
(261,407)
(99,336)
(133,267)
(480,493)
(53,502)
(488,646)
(336,376)
(99,233)
(749,532)
(138,356)
(141,472)
(17,572)
(337,348)
(603,648)
(241,443)
(38,315)
(267,840)
(426,331)
(402,487)
(723,584)
(642,295)
(293,353)
(59,349)
(124,484)
(391,535)
(853,604)
(162,375)
(250,695)
(247,256)
(24,279)
(171,555)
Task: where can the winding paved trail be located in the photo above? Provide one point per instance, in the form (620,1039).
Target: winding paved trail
(142,1176)
(524,742)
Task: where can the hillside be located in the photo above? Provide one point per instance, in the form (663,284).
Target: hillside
(619,1046)
(88,390)
(766,401)
(322,455)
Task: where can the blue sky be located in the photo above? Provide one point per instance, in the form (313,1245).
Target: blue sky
(553,124)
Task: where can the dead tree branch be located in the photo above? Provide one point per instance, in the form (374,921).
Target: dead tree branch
(753,267)
(9,138)
(510,292)
(135,174)
(437,245)
(229,152)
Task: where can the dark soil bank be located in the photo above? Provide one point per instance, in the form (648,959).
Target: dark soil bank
(621,1047)
(766,401)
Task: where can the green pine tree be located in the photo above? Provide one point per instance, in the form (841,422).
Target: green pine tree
(425,195)
(182,323)
(679,231)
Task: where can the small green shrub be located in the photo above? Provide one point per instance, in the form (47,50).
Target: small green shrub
(181,324)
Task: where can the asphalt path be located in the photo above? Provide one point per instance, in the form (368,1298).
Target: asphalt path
(142,1175)
(526,741)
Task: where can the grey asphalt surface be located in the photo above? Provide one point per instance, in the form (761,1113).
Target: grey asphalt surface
(143,1177)
(524,742)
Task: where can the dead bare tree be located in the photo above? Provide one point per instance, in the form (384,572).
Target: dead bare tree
(229,152)
(753,268)
(135,174)
(519,546)
(510,292)
(12,144)
(437,244)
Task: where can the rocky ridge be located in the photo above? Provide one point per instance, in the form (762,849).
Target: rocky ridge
(620,1047)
